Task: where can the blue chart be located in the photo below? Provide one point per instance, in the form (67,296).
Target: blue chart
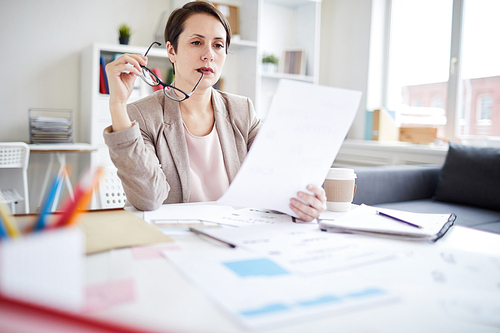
(315,302)
(255,267)
(260,293)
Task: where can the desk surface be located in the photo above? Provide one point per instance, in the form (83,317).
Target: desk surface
(62,147)
(154,294)
(167,301)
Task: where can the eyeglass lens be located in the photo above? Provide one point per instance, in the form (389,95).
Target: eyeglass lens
(149,77)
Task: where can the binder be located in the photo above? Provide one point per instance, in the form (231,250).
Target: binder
(392,223)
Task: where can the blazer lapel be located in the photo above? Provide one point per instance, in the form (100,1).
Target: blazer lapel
(226,136)
(174,135)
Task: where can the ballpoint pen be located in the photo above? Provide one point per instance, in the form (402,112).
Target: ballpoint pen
(199,232)
(398,219)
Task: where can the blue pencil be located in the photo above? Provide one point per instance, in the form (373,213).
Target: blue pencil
(42,217)
(3,232)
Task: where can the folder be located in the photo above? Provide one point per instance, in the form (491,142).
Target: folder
(108,229)
(391,223)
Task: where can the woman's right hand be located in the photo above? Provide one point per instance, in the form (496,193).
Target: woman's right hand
(122,74)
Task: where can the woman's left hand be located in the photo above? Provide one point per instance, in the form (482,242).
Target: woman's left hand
(309,206)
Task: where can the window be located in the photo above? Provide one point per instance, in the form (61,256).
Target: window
(419,54)
(480,69)
(443,62)
(483,110)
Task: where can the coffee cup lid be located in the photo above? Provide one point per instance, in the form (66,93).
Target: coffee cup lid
(341,173)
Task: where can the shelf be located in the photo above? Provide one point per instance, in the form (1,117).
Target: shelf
(291,3)
(116,48)
(277,76)
(243,43)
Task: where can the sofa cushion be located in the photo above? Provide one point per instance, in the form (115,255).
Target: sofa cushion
(471,176)
(393,183)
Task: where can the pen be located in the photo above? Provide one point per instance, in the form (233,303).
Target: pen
(199,232)
(399,220)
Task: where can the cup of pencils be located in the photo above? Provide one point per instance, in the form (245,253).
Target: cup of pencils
(42,255)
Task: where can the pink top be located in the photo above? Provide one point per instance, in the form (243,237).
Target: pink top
(207,170)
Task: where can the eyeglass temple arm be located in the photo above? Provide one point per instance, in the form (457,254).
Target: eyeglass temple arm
(150,46)
(201,78)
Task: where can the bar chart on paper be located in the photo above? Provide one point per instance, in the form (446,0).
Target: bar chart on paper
(262,294)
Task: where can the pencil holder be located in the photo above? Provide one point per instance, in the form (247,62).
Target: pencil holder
(45,268)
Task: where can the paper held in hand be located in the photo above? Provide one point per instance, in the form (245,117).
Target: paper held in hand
(295,147)
(391,223)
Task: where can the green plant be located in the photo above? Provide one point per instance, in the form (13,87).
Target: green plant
(124,30)
(270,59)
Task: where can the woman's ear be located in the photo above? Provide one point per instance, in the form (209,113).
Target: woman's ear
(171,52)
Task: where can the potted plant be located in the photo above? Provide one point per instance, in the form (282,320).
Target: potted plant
(270,63)
(124,34)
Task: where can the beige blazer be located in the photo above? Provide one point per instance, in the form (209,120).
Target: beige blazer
(152,156)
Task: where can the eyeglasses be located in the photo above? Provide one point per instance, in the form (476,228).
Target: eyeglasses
(170,91)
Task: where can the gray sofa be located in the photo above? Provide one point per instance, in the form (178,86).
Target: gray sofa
(468,184)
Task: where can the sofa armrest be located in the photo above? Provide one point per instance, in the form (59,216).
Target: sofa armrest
(395,183)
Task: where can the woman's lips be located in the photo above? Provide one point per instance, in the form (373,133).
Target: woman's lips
(206,70)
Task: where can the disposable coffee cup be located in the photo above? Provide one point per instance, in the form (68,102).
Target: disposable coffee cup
(339,187)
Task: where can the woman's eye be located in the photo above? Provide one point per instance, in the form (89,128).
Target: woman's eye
(196,42)
(219,46)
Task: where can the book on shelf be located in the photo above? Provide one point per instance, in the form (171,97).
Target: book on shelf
(294,62)
(103,79)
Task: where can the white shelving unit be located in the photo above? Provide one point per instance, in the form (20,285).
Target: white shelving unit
(266,26)
(288,25)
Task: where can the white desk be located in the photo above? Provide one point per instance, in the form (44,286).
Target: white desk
(59,151)
(164,300)
(167,301)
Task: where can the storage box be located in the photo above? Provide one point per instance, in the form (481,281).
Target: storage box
(417,135)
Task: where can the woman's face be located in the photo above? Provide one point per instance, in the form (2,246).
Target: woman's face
(201,47)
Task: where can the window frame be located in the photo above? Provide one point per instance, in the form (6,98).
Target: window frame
(454,85)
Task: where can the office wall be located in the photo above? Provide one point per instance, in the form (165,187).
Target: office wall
(345,50)
(41,43)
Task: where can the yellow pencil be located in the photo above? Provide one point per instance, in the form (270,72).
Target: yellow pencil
(10,223)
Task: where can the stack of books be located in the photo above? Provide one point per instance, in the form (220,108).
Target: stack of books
(51,126)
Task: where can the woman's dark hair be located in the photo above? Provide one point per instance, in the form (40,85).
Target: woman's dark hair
(177,19)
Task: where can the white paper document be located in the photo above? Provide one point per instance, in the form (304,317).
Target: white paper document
(295,147)
(304,249)
(249,217)
(261,293)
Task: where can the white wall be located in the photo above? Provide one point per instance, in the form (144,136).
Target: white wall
(345,51)
(41,42)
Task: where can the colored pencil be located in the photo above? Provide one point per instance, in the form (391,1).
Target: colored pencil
(42,217)
(9,221)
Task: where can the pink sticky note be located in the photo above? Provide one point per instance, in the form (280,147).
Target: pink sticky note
(105,295)
(149,252)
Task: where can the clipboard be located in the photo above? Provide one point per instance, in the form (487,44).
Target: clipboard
(366,220)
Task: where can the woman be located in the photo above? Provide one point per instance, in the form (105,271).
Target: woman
(171,151)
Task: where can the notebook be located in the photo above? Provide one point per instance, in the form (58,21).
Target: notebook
(391,223)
